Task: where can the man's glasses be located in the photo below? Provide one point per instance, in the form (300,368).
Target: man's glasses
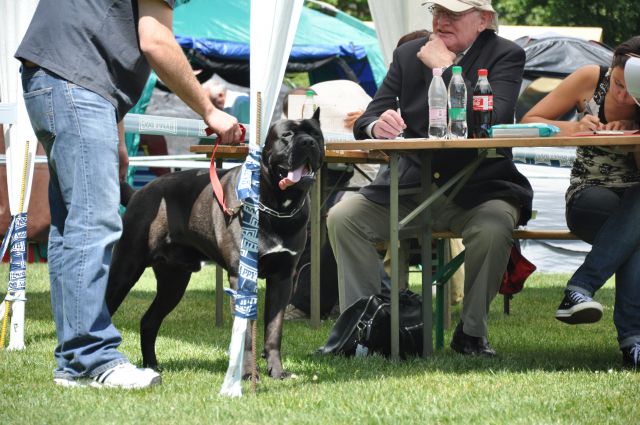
(439,12)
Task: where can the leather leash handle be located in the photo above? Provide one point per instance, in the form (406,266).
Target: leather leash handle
(213,175)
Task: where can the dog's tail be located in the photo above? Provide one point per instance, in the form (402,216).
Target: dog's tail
(126,192)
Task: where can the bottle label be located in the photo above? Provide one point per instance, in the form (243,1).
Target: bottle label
(483,103)
(457,114)
(437,115)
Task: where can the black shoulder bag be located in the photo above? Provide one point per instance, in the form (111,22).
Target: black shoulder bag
(364,328)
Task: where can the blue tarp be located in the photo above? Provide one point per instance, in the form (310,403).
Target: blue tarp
(219,30)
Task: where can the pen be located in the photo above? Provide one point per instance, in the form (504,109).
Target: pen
(401,135)
(589,111)
(587,108)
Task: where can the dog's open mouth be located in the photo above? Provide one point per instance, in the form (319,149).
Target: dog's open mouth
(294,176)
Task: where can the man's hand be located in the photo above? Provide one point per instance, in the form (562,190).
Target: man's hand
(225,126)
(123,155)
(389,125)
(434,54)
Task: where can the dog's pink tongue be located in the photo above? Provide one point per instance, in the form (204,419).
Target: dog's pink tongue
(292,178)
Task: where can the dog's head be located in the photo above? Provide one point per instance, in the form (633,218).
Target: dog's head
(293,152)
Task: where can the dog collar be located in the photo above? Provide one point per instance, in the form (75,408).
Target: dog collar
(278,214)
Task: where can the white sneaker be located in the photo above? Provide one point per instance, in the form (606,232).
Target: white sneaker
(69,382)
(127,376)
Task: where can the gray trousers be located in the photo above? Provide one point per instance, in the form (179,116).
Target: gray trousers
(356,224)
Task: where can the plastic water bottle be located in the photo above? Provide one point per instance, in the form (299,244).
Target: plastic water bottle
(309,105)
(482,112)
(437,106)
(457,105)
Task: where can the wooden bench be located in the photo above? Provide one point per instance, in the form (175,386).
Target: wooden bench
(444,272)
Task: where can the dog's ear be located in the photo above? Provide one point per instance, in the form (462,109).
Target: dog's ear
(316,115)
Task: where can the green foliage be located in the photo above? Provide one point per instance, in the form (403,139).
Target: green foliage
(619,20)
(356,8)
(546,372)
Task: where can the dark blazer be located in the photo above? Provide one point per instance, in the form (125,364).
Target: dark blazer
(408,79)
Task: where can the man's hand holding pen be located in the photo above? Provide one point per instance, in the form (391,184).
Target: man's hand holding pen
(389,126)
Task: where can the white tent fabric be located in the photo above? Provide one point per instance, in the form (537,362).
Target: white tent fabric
(20,145)
(273,25)
(393,19)
(16,17)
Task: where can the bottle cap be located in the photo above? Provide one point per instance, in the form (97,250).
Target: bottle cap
(310,93)
(456,69)
(437,72)
(483,72)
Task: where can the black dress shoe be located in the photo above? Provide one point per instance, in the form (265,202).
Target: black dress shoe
(470,345)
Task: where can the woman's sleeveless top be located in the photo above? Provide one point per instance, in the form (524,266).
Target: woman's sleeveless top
(596,165)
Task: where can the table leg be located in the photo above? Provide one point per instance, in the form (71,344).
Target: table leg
(316,199)
(427,277)
(440,296)
(393,250)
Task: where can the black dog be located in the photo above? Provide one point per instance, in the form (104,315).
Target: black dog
(175,222)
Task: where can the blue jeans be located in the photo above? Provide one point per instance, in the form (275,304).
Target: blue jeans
(78,131)
(611,221)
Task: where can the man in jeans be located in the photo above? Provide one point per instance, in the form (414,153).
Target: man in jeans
(84,66)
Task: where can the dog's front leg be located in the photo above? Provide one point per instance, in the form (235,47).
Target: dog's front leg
(278,293)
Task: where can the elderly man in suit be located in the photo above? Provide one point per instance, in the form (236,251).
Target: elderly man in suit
(492,202)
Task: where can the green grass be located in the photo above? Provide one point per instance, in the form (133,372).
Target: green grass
(546,372)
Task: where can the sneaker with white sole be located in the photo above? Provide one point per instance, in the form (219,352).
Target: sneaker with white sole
(577,308)
(70,382)
(127,376)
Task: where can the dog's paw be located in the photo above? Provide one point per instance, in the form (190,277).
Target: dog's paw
(247,377)
(279,373)
(154,366)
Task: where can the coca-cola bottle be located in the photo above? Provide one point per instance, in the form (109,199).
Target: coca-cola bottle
(482,112)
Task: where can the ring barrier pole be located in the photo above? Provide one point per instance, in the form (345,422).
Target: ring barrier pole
(167,126)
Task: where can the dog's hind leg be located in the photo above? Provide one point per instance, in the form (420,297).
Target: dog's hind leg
(172,283)
(124,272)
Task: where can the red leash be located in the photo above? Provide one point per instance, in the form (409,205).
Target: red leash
(213,175)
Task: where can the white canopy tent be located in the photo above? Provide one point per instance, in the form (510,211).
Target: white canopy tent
(17,128)
(273,26)
(20,145)
(393,19)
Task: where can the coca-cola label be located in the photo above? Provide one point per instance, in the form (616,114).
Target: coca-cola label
(437,115)
(483,103)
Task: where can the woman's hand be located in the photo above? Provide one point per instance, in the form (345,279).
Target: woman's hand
(589,123)
(621,125)
(351,118)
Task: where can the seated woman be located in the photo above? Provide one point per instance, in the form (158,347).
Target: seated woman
(603,199)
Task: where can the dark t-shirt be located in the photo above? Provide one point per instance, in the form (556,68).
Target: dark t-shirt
(92,43)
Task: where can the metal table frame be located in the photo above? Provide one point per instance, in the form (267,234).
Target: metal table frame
(395,148)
